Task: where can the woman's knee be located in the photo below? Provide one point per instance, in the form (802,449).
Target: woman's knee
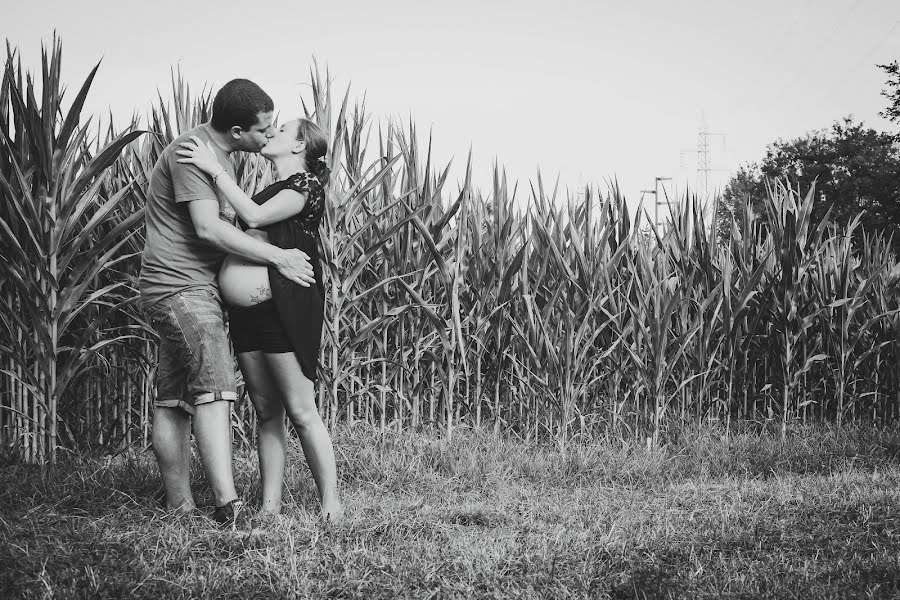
(267,408)
(303,417)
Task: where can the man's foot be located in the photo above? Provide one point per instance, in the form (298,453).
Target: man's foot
(185,508)
(270,508)
(176,503)
(230,515)
(332,511)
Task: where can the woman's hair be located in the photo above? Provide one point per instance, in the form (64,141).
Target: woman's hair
(316,149)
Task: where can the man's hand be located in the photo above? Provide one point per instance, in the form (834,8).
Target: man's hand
(291,262)
(294,264)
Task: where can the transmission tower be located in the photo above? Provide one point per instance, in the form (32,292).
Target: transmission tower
(703,160)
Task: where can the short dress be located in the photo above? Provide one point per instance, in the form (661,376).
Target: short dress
(300,309)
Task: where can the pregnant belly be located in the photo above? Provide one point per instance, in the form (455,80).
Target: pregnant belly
(244,283)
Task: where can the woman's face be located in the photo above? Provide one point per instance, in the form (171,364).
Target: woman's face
(284,141)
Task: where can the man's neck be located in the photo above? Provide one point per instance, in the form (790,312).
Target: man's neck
(222,140)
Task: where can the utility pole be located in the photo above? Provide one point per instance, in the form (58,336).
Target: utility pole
(656,201)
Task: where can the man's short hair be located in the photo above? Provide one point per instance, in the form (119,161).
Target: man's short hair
(238,103)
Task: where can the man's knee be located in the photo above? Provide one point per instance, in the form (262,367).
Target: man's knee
(171,427)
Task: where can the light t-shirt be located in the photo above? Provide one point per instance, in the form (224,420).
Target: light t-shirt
(175,259)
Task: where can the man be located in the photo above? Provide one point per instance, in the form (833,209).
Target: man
(189,231)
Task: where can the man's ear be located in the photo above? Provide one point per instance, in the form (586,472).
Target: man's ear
(236,132)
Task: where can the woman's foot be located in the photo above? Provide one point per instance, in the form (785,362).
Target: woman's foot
(265,520)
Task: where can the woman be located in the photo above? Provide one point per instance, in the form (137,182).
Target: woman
(275,324)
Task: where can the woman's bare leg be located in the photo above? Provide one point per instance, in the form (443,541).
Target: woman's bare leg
(272,435)
(298,393)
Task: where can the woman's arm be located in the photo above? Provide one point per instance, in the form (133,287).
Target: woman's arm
(281,206)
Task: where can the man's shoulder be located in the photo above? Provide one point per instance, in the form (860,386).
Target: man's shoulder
(200,131)
(176,182)
(167,158)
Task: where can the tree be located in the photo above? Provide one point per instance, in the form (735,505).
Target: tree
(892,92)
(853,168)
(747,185)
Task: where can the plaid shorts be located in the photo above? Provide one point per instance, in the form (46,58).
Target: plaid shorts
(195,362)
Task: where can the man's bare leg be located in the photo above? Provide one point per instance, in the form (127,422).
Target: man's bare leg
(212,430)
(172,447)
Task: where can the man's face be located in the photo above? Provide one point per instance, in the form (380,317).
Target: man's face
(253,139)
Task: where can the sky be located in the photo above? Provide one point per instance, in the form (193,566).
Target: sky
(587,92)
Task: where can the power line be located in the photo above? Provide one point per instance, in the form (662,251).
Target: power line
(837,26)
(787,33)
(849,72)
(795,80)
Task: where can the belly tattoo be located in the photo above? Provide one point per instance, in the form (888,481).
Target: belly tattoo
(264,294)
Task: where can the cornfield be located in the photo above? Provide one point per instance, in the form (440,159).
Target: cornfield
(554,314)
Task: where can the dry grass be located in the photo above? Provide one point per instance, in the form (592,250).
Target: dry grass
(484,516)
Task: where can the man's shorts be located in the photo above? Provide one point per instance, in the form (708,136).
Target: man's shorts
(195,362)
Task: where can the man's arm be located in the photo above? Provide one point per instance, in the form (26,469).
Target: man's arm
(193,186)
(293,263)
(281,206)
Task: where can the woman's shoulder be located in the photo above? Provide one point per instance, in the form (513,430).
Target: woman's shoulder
(303,181)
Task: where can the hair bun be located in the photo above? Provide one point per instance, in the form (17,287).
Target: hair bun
(321,169)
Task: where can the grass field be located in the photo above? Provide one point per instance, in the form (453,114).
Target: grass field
(703,516)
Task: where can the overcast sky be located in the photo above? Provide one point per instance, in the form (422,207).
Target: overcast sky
(586,90)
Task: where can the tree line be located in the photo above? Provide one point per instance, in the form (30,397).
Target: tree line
(855,169)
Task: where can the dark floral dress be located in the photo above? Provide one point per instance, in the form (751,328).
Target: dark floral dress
(300,309)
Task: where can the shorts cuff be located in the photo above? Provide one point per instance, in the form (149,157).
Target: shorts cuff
(208,397)
(175,403)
